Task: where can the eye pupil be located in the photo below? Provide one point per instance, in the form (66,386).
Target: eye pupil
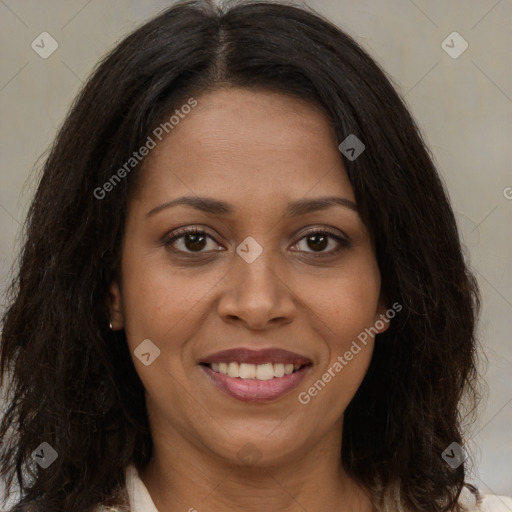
(320,243)
(195,240)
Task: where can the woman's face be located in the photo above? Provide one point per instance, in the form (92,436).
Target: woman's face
(257,278)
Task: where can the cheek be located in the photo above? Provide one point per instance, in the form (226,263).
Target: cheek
(329,395)
(161,306)
(159,302)
(346,303)
(343,313)
(344,309)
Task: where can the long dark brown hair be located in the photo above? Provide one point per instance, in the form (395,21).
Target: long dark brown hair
(72,382)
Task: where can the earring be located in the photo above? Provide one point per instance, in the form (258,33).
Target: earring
(110,325)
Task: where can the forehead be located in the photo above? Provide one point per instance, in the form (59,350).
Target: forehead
(268,143)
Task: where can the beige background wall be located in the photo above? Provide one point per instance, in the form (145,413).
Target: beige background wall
(463,105)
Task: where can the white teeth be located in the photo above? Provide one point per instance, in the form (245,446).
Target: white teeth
(278,369)
(233,369)
(264,371)
(247,371)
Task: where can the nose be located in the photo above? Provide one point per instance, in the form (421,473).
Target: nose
(257,294)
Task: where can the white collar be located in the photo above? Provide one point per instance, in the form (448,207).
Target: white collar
(140,499)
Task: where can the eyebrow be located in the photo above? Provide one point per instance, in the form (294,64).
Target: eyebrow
(216,207)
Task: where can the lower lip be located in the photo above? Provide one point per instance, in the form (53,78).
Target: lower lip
(253,390)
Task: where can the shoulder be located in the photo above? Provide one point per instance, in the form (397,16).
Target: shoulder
(496,504)
(472,501)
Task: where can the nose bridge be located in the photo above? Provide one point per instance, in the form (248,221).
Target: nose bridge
(256,265)
(256,293)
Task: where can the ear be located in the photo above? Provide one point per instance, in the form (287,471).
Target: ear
(115,306)
(382,319)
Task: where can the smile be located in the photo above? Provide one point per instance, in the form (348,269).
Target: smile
(264,371)
(255,375)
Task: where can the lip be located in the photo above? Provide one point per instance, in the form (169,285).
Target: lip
(245,355)
(253,390)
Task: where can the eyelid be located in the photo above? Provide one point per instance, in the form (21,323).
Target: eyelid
(325,229)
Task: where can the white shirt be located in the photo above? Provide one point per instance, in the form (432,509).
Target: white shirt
(140,499)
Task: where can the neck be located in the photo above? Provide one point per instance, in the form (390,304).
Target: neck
(190,479)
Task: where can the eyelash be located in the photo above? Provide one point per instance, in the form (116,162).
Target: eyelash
(181,233)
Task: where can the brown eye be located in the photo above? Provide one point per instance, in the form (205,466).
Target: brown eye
(316,243)
(194,242)
(190,241)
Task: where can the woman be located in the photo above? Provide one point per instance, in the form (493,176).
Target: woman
(242,286)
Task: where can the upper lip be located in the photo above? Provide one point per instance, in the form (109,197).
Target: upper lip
(245,355)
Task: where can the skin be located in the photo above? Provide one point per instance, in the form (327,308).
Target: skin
(256,151)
